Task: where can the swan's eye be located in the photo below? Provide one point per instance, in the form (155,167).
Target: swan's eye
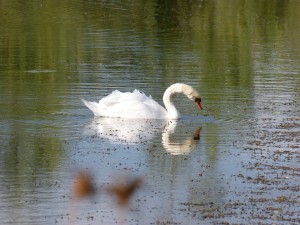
(197,99)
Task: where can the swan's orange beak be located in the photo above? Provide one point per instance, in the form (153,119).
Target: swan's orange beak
(198,103)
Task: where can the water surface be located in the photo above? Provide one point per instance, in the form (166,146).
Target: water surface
(237,161)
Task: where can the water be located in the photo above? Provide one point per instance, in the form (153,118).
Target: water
(237,161)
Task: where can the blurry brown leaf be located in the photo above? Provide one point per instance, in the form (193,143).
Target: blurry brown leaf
(83,185)
(124,191)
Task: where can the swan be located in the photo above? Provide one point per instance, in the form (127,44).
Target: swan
(136,105)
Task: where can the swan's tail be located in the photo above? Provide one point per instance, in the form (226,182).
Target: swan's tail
(93,106)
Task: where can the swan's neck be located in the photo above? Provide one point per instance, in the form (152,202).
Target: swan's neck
(171,109)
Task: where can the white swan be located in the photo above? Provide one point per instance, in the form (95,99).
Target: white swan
(137,105)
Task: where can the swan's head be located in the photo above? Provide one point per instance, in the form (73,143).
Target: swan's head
(192,94)
(198,102)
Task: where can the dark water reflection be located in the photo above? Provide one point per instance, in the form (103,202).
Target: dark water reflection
(243,57)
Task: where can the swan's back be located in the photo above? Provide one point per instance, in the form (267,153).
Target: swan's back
(127,105)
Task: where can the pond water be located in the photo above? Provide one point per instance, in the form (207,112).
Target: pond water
(235,162)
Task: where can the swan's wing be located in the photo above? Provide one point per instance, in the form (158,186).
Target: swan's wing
(105,105)
(93,106)
(132,105)
(127,105)
(113,99)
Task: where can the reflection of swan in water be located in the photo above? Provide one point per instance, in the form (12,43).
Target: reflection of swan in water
(178,147)
(126,131)
(129,131)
